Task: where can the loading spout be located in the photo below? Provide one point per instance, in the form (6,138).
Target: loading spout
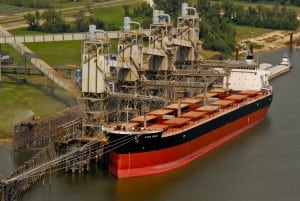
(192,8)
(159,17)
(166,15)
(127,22)
(93,31)
(185,8)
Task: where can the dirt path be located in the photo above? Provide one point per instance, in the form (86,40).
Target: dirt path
(271,41)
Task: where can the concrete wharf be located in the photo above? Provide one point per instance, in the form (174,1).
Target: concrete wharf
(278,70)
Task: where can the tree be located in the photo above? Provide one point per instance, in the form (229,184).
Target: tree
(33,21)
(273,18)
(296,2)
(126,10)
(229,9)
(80,22)
(143,10)
(99,24)
(215,32)
(171,7)
(203,6)
(54,22)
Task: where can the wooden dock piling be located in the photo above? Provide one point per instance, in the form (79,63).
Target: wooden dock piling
(291,38)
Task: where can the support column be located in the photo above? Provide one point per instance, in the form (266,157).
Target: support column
(2,192)
(236,53)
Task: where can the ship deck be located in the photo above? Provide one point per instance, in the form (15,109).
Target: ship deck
(177,117)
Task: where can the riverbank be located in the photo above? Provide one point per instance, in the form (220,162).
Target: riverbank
(20,102)
(5,140)
(271,41)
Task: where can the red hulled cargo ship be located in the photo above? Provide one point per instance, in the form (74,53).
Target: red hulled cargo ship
(172,136)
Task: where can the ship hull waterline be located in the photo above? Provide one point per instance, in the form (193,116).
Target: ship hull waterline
(125,165)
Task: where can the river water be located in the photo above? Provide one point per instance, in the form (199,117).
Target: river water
(261,165)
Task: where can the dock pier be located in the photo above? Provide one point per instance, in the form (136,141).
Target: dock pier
(63,148)
(74,156)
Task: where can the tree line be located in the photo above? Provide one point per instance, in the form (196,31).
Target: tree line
(281,2)
(51,21)
(263,17)
(28,3)
(36,3)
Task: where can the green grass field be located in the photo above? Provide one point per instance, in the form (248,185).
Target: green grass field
(68,4)
(112,14)
(13,53)
(243,32)
(23,31)
(58,54)
(106,15)
(8,9)
(20,102)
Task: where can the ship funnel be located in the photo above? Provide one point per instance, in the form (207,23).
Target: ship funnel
(126,26)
